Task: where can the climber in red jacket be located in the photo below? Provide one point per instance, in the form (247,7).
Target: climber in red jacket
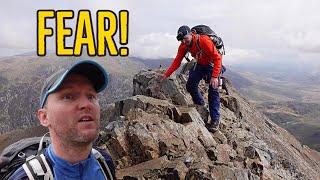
(207,67)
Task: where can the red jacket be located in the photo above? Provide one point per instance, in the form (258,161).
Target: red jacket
(206,55)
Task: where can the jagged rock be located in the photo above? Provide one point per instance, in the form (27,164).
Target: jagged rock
(148,137)
(219,137)
(234,144)
(224,172)
(160,168)
(147,83)
(204,112)
(205,137)
(256,167)
(211,154)
(175,170)
(199,131)
(187,66)
(287,165)
(143,169)
(242,134)
(116,143)
(232,104)
(172,147)
(250,152)
(146,104)
(176,114)
(239,162)
(265,157)
(224,153)
(188,115)
(163,136)
(198,174)
(165,129)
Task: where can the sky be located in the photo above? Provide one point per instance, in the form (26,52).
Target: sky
(264,31)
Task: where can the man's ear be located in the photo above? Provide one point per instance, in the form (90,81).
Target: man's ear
(43,117)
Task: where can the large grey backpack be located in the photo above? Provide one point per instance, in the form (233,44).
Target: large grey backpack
(206,30)
(13,156)
(28,153)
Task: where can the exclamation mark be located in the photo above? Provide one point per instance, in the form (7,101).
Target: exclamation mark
(124,26)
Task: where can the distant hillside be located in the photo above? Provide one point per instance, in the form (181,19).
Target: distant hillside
(21,79)
(293,103)
(22,76)
(238,81)
(154,63)
(300,119)
(158,133)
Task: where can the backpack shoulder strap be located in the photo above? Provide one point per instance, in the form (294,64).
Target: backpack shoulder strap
(187,54)
(37,168)
(198,42)
(103,164)
(200,50)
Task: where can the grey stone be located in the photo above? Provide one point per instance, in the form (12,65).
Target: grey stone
(148,83)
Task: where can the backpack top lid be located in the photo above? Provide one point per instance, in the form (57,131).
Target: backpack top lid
(12,150)
(203,29)
(206,30)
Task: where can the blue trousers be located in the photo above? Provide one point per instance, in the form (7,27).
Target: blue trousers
(196,74)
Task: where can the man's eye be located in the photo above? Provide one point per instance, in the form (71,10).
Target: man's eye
(68,97)
(92,97)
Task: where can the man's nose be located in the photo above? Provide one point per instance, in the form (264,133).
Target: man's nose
(85,103)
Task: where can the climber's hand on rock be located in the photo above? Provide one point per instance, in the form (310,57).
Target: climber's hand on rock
(214,82)
(162,77)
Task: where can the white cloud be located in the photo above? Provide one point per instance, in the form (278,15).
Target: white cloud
(18,22)
(284,30)
(303,41)
(154,45)
(240,56)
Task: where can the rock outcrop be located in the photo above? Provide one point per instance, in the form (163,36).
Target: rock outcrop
(158,134)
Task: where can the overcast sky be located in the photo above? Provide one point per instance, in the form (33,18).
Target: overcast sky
(253,31)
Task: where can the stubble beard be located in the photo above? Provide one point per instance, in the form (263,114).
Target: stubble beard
(75,137)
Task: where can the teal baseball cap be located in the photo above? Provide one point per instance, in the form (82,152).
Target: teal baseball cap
(95,73)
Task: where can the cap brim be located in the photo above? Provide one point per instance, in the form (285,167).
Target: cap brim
(90,69)
(95,73)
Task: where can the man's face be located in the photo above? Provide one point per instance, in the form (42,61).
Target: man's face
(187,39)
(73,112)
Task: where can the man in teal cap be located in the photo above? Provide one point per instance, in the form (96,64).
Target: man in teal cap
(70,109)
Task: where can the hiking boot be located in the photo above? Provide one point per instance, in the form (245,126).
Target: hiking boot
(213,126)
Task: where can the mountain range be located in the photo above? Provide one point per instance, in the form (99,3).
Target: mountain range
(152,130)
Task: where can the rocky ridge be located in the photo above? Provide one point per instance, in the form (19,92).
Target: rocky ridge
(159,134)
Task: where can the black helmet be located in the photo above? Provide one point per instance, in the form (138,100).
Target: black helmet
(182,31)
